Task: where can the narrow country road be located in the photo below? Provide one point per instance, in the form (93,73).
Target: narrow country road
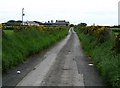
(63,65)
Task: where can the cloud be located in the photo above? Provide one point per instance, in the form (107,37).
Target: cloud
(73,10)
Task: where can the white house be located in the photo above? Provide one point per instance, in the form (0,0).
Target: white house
(31,23)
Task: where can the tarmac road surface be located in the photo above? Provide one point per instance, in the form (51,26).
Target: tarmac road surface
(63,65)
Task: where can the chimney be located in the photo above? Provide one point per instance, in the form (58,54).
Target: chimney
(51,21)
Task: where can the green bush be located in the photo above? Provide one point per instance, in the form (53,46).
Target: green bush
(117,44)
(102,34)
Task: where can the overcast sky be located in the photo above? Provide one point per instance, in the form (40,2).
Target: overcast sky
(101,12)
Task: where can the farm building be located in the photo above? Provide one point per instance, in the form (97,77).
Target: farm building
(62,23)
(31,23)
(57,23)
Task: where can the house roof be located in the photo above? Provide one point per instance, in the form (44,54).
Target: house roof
(60,21)
(31,22)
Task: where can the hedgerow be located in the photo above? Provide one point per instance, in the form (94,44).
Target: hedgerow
(20,44)
(97,43)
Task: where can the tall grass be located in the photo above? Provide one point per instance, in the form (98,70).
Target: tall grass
(106,61)
(8,32)
(0,51)
(18,45)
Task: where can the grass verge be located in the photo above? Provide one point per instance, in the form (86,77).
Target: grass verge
(106,61)
(16,46)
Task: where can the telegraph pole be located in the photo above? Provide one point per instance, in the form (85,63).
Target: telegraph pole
(22,15)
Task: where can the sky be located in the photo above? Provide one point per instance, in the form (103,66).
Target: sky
(100,12)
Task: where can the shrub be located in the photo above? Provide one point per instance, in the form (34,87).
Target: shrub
(117,44)
(102,34)
(0,26)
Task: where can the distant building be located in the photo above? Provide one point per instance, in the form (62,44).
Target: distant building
(31,23)
(49,23)
(57,23)
(62,23)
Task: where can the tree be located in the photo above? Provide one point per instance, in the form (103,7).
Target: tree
(13,23)
(82,24)
(71,25)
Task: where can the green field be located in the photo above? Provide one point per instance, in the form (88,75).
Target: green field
(115,31)
(16,46)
